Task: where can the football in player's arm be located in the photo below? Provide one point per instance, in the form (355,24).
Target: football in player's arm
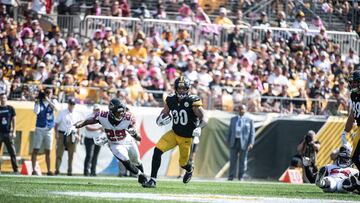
(118,122)
(188,117)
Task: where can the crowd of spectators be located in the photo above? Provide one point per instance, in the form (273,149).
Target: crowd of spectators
(141,69)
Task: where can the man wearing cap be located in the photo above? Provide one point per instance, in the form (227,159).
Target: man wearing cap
(334,108)
(92,150)
(44,109)
(222,19)
(300,22)
(66,140)
(263,21)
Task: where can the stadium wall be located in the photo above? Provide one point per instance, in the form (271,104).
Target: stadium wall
(276,142)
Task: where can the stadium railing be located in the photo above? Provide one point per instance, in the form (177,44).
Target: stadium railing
(211,100)
(92,23)
(216,34)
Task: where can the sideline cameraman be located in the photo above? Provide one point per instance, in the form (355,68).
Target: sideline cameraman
(307,149)
(44,109)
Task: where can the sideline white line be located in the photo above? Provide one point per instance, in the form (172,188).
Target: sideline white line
(195,198)
(206,180)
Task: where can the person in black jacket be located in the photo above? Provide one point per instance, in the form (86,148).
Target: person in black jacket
(7,129)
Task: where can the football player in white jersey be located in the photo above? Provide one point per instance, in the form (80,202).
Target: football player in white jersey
(337,177)
(118,123)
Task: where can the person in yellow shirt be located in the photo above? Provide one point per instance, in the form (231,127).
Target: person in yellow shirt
(222,19)
(136,92)
(138,52)
(117,47)
(91,51)
(96,91)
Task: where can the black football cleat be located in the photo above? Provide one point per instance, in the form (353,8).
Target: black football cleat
(355,183)
(188,175)
(150,184)
(324,183)
(142,179)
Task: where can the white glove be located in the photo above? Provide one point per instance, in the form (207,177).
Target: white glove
(101,139)
(132,131)
(196,140)
(163,120)
(196,132)
(343,138)
(70,131)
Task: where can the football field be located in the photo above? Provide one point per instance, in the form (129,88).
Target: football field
(109,189)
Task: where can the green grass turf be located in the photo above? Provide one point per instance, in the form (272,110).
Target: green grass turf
(39,189)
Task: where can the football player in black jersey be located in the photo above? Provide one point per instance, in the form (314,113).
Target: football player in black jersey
(188,118)
(354,115)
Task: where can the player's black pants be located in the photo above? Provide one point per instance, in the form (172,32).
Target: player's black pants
(9,143)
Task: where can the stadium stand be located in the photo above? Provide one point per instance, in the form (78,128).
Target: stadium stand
(279,57)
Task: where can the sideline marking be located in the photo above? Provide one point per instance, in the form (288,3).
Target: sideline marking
(195,197)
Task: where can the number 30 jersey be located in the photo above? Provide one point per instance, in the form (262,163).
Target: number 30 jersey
(355,105)
(184,119)
(116,134)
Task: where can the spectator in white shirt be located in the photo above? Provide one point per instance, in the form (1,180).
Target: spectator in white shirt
(352,58)
(323,63)
(253,98)
(204,77)
(38,6)
(4,84)
(277,79)
(65,121)
(300,22)
(191,72)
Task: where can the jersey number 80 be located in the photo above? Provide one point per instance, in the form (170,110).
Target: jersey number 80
(180,117)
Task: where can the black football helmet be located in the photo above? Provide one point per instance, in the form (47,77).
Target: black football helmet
(344,157)
(117,109)
(182,87)
(354,81)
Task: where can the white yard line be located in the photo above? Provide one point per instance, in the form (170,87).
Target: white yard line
(160,179)
(195,197)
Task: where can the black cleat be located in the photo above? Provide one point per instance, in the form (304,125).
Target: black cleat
(320,176)
(324,183)
(355,183)
(188,175)
(142,179)
(150,184)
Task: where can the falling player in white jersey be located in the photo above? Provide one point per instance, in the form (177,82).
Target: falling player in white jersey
(339,176)
(118,123)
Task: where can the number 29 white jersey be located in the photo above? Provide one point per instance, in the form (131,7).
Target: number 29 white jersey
(335,171)
(117,134)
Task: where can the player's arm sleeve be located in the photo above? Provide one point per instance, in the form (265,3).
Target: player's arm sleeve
(350,121)
(13,111)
